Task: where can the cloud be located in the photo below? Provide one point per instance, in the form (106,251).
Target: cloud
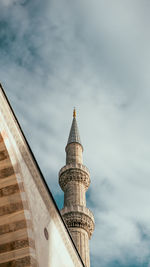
(93,55)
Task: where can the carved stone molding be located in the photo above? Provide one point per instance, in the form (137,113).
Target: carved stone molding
(75,175)
(80,220)
(74,166)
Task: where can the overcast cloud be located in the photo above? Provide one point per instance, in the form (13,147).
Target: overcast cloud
(94,55)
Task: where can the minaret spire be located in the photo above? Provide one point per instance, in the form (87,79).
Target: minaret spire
(74,180)
(74,136)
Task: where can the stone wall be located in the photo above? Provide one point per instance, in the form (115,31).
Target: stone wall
(17,247)
(32,232)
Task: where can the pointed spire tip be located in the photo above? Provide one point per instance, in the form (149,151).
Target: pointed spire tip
(74,136)
(74,112)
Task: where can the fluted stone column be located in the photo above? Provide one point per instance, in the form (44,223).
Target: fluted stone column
(74,180)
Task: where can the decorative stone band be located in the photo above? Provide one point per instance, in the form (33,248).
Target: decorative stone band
(73,173)
(80,217)
(74,166)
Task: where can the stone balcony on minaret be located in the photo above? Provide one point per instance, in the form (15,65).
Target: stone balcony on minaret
(74,180)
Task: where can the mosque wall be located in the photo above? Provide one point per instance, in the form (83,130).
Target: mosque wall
(32,232)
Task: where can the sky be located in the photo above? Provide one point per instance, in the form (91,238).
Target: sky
(94,55)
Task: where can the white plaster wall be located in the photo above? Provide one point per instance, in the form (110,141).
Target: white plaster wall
(58,250)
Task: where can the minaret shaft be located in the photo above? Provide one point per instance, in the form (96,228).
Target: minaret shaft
(74,180)
(74,153)
(81,239)
(74,194)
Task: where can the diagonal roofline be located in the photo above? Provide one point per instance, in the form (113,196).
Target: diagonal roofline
(39,170)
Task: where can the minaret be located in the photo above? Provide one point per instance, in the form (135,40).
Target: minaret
(74,180)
